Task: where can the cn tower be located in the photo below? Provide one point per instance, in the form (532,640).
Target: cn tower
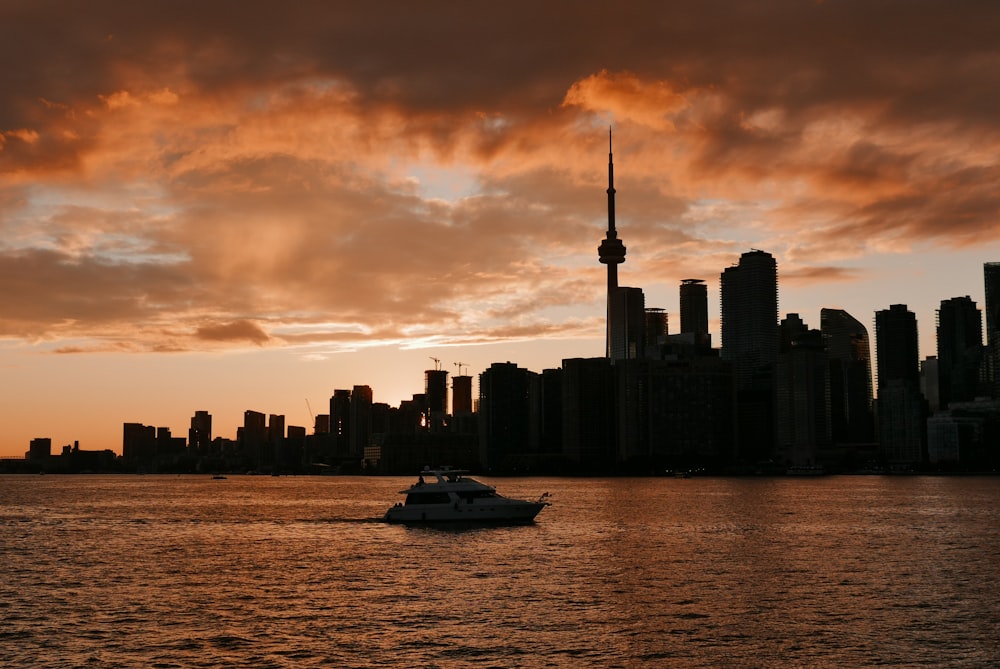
(611,251)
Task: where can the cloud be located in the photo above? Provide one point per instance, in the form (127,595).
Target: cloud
(235,331)
(239,173)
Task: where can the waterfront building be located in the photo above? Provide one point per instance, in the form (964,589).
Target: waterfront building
(750,342)
(200,434)
(590,437)
(694,311)
(627,311)
(40,449)
(436,391)
(340,423)
(657,330)
(959,350)
(505,414)
(750,315)
(991,280)
(901,407)
(360,421)
(848,350)
(802,397)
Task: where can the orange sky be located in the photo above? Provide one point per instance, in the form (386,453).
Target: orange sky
(244,205)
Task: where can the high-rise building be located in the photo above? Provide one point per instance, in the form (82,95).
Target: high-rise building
(436,392)
(361,420)
(897,348)
(505,414)
(611,252)
(657,328)
(849,354)
(461,395)
(694,307)
(901,407)
(749,298)
(340,421)
(627,309)
(802,396)
(200,433)
(750,315)
(960,350)
(991,280)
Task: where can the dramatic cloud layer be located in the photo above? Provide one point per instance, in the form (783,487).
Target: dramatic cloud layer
(191,176)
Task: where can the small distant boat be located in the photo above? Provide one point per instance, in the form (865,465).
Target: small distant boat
(452,496)
(219,477)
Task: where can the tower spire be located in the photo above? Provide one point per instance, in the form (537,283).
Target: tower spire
(611,252)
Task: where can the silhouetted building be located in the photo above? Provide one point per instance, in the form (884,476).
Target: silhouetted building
(253,438)
(802,396)
(930,385)
(361,421)
(505,414)
(272,454)
(991,280)
(750,342)
(694,311)
(340,422)
(901,407)
(40,449)
(960,350)
(657,330)
(590,432)
(852,417)
(674,414)
(200,433)
(628,311)
(461,395)
(138,443)
(436,391)
(750,315)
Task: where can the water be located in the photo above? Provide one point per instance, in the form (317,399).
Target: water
(149,571)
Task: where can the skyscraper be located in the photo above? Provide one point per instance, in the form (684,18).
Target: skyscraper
(991,279)
(750,315)
(627,311)
(694,307)
(750,341)
(849,354)
(611,252)
(960,350)
(896,345)
(900,405)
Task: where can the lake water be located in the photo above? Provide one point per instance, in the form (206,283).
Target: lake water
(151,571)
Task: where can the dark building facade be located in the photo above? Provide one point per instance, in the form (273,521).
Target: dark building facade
(694,312)
(991,281)
(802,397)
(901,406)
(506,414)
(750,342)
(960,350)
(848,350)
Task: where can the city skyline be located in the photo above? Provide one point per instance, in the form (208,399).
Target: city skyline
(201,214)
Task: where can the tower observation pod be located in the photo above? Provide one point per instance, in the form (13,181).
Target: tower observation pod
(611,252)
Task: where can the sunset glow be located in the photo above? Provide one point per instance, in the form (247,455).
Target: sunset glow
(247,205)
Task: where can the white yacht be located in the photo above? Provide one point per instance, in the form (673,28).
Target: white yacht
(449,495)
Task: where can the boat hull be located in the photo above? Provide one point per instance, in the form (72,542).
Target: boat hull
(511,513)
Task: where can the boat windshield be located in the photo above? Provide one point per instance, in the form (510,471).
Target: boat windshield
(476,494)
(427,498)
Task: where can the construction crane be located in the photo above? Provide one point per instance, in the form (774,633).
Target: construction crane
(311,415)
(437,363)
(460,365)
